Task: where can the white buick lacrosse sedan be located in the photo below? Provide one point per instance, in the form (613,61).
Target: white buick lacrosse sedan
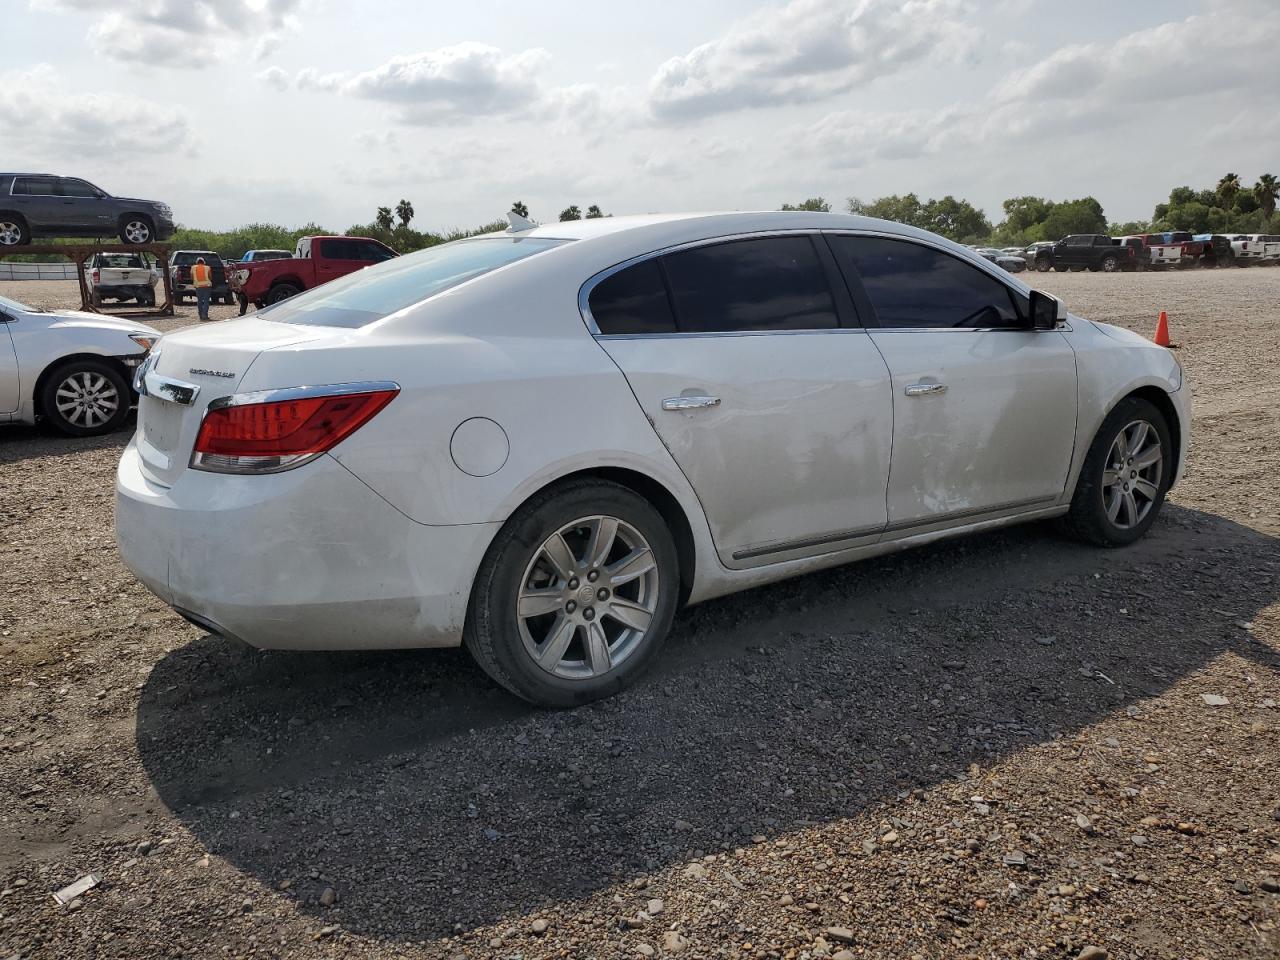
(540,443)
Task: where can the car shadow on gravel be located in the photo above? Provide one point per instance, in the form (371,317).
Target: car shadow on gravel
(427,798)
(22,442)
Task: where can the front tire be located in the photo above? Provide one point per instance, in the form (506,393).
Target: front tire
(1125,476)
(575,596)
(1042,266)
(85,398)
(136,229)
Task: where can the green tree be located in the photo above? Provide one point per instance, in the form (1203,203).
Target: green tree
(1128,228)
(813,204)
(1073,216)
(404,210)
(519,209)
(956,220)
(1021,214)
(384,219)
(570,213)
(905,209)
(1227,189)
(594,212)
(1264,191)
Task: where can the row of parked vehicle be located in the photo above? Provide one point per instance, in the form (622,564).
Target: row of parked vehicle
(1147,251)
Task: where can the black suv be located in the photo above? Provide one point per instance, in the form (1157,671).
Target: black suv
(1087,251)
(42,205)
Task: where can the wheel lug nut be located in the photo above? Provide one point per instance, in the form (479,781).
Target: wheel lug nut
(573,583)
(570,607)
(589,613)
(602,594)
(593,576)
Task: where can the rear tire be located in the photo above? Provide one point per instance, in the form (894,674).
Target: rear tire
(281,291)
(1117,497)
(13,231)
(1042,266)
(527,606)
(1110,264)
(85,398)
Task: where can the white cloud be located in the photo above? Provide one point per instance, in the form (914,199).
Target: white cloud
(274,77)
(186,34)
(41,123)
(809,50)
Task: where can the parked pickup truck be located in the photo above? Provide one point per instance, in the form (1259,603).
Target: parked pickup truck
(180,275)
(315,260)
(1217,250)
(1086,251)
(1251,248)
(1152,252)
(122,276)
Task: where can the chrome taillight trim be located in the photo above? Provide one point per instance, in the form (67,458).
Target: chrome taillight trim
(257,466)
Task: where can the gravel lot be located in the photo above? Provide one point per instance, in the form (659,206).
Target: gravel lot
(1007,746)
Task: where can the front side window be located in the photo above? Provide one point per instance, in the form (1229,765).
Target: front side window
(633,300)
(914,286)
(76,188)
(367,295)
(371,252)
(770,283)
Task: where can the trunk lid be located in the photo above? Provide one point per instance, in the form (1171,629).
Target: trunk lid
(213,360)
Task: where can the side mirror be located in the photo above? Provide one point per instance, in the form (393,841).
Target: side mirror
(1046,311)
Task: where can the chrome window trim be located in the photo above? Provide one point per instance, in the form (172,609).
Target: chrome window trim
(584,292)
(301,393)
(990,269)
(34,176)
(818,331)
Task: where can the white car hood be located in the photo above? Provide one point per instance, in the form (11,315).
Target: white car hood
(83,320)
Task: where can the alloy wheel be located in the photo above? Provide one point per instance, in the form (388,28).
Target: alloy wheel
(137,231)
(10,233)
(1132,475)
(588,597)
(87,399)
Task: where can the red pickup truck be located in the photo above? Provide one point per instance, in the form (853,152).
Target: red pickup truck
(315,260)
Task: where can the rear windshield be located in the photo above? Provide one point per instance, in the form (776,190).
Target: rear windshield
(183,259)
(375,292)
(122,260)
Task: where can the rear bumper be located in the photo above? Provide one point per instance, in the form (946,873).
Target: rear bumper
(310,559)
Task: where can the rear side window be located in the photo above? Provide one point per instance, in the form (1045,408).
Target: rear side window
(76,188)
(914,286)
(35,186)
(771,283)
(367,295)
(633,300)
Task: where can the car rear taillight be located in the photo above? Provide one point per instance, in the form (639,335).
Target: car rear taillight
(97,276)
(281,429)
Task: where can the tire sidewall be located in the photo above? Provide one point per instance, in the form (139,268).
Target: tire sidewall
(1088,507)
(49,405)
(492,619)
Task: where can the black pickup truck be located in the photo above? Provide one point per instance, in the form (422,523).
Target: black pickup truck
(1086,251)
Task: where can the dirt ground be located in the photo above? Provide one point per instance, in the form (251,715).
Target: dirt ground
(1006,746)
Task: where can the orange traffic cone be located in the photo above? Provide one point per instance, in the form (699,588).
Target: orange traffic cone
(1162,330)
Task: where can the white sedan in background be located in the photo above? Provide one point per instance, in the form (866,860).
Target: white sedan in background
(70,369)
(540,443)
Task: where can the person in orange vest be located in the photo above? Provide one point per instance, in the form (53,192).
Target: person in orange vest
(202,280)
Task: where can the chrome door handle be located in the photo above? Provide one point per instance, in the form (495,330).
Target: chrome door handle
(689,403)
(925,389)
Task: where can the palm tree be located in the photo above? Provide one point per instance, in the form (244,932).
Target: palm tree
(1264,191)
(404,210)
(1228,187)
(570,213)
(383,219)
(519,209)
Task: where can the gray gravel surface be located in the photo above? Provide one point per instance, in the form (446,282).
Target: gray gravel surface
(1006,746)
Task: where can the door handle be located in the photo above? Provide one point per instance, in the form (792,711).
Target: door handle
(689,403)
(925,389)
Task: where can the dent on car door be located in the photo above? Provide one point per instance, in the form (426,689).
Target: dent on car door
(984,406)
(779,415)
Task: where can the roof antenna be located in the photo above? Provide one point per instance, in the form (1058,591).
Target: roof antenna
(518,222)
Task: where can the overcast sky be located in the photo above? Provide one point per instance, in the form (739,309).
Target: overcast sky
(291,111)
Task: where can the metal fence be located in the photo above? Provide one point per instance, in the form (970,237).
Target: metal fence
(37,271)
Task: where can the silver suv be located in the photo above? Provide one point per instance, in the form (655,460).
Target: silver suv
(44,205)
